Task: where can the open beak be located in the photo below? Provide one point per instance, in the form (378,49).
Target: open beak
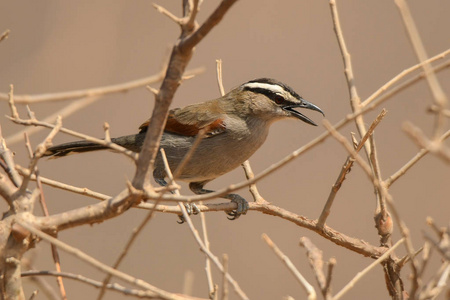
(303,104)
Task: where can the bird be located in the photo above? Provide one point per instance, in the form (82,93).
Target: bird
(233,127)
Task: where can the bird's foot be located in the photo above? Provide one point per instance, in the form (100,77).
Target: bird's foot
(242,206)
(191,209)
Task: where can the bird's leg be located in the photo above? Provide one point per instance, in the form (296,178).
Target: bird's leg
(242,204)
(190,208)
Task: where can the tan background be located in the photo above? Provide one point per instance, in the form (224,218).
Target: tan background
(61,46)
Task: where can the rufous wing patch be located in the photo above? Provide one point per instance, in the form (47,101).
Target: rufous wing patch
(176,127)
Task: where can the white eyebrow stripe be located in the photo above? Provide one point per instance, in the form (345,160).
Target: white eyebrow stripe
(267,86)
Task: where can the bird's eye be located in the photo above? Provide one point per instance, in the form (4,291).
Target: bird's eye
(278,99)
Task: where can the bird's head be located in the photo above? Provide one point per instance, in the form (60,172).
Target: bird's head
(272,100)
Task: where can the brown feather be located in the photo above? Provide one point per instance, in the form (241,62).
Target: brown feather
(182,122)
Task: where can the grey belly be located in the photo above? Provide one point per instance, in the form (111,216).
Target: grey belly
(208,161)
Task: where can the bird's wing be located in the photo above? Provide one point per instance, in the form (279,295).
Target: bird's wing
(189,121)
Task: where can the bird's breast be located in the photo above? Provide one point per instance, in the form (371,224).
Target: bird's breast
(215,155)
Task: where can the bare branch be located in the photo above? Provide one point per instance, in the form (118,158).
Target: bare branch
(316,263)
(11,103)
(8,165)
(199,241)
(355,100)
(225,281)
(113,146)
(358,276)
(252,187)
(167,13)
(214,19)
(440,98)
(435,146)
(54,250)
(131,240)
(64,112)
(39,152)
(346,169)
(219,76)
(98,91)
(211,286)
(102,267)
(331,264)
(303,282)
(402,74)
(97,284)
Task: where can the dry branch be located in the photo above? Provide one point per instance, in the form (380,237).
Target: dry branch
(303,282)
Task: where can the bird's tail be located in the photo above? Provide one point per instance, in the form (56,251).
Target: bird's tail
(131,142)
(72,148)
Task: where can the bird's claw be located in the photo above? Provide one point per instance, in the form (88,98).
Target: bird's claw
(242,207)
(191,209)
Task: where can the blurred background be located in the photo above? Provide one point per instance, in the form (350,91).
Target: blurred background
(70,45)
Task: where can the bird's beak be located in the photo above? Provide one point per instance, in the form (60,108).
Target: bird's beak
(303,104)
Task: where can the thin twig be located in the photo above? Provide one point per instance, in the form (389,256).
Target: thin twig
(131,240)
(309,289)
(11,101)
(355,100)
(331,264)
(43,203)
(113,146)
(225,281)
(440,99)
(361,274)
(8,164)
(197,237)
(219,76)
(316,262)
(213,258)
(383,220)
(64,112)
(401,75)
(102,267)
(189,21)
(383,190)
(98,91)
(252,187)
(56,184)
(346,169)
(209,278)
(216,16)
(167,13)
(434,146)
(91,282)
(389,181)
(39,152)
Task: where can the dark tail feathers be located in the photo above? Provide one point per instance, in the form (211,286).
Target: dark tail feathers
(73,147)
(131,142)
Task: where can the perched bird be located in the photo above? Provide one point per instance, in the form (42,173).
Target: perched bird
(234,125)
